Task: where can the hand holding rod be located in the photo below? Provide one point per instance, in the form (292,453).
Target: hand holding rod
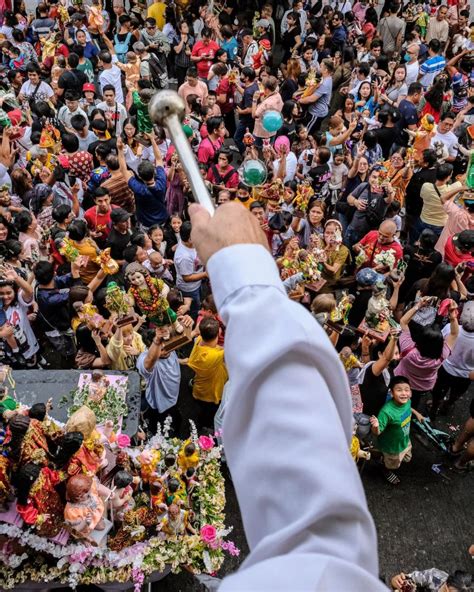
(167,109)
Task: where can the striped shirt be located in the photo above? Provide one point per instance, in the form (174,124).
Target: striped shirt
(430,68)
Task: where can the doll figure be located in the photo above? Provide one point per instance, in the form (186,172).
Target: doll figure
(341,313)
(89,314)
(90,457)
(141,99)
(176,522)
(157,494)
(188,456)
(352,365)
(98,386)
(84,510)
(421,138)
(122,500)
(108,265)
(304,193)
(378,309)
(38,502)
(96,19)
(28,442)
(356,452)
(149,295)
(261,57)
(148,460)
(175,492)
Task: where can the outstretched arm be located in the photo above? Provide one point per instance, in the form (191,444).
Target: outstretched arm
(308,543)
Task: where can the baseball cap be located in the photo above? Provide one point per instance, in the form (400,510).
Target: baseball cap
(15,116)
(119,215)
(263,23)
(368,277)
(467,316)
(138,47)
(88,86)
(464,240)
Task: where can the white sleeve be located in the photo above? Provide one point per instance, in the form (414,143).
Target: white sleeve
(286,435)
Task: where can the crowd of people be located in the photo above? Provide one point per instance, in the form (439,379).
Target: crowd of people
(366,197)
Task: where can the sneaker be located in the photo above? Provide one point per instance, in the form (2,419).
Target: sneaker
(391,477)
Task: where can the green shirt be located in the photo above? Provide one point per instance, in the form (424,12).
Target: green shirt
(88,69)
(144,123)
(394,423)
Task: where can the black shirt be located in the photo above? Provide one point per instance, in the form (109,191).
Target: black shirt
(117,243)
(385,140)
(408,116)
(373,391)
(72,80)
(247,99)
(413,201)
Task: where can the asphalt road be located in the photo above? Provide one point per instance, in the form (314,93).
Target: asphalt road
(424,522)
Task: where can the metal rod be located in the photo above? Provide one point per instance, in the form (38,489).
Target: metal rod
(167,109)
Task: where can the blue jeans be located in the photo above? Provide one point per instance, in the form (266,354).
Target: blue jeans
(195,295)
(240,133)
(436,229)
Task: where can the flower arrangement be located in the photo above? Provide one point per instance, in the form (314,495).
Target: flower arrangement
(111,406)
(386,259)
(29,557)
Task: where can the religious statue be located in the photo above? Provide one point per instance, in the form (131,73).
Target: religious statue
(108,265)
(149,295)
(84,510)
(98,386)
(378,309)
(176,522)
(122,500)
(90,457)
(188,456)
(117,301)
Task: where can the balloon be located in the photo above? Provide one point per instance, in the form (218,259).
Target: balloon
(272,121)
(255,173)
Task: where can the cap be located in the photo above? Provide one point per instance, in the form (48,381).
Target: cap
(263,23)
(368,277)
(119,215)
(464,240)
(88,86)
(265,44)
(138,47)
(15,116)
(467,316)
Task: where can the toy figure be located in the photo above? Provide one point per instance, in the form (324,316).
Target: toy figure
(176,522)
(122,500)
(84,510)
(175,492)
(263,54)
(378,310)
(118,303)
(141,100)
(89,314)
(90,458)
(304,193)
(96,19)
(343,307)
(68,250)
(149,295)
(108,265)
(148,460)
(248,139)
(98,386)
(356,452)
(38,502)
(157,494)
(421,138)
(188,456)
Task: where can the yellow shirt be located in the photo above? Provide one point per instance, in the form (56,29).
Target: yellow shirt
(433,211)
(89,249)
(157,11)
(211,373)
(120,360)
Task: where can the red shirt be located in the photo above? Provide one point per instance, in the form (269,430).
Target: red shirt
(455,257)
(232,180)
(370,241)
(99,222)
(226,88)
(207,150)
(199,49)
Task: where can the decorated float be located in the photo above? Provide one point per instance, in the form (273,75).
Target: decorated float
(83,503)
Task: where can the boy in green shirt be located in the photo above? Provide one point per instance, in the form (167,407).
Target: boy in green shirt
(392,426)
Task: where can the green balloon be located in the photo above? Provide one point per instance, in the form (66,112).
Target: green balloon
(254,173)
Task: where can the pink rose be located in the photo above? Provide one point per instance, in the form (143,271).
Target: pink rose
(205,442)
(208,533)
(123,441)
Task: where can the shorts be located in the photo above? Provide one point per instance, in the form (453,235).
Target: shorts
(393,461)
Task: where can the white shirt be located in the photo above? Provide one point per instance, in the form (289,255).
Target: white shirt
(43,93)
(412,72)
(461,359)
(112,76)
(303,506)
(449,140)
(117,111)
(186,262)
(65,115)
(291,164)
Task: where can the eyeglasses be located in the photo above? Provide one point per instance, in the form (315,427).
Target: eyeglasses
(151,26)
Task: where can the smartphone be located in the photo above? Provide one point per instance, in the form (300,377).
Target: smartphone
(309,161)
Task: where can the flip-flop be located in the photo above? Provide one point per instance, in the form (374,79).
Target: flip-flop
(391,478)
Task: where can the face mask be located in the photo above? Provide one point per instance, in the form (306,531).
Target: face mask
(407,57)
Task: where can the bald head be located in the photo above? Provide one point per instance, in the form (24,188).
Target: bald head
(413,51)
(387,232)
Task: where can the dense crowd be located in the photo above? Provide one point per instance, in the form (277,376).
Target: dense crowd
(358,119)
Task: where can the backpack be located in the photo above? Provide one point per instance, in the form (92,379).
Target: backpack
(158,72)
(121,47)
